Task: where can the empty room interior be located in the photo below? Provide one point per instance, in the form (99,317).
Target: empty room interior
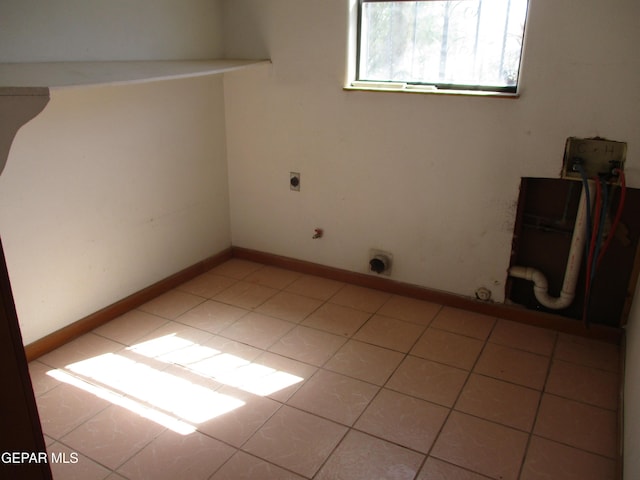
(244,239)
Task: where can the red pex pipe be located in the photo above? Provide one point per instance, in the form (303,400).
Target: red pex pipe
(616,220)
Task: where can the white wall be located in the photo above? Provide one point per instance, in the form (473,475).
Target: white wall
(111,189)
(432,179)
(81,30)
(632,393)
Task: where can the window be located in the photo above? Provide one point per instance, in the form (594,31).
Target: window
(440,44)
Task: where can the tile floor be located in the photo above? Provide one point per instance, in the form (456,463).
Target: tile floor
(253,372)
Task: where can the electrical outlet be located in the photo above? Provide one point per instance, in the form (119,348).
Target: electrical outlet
(380,262)
(294,181)
(596,156)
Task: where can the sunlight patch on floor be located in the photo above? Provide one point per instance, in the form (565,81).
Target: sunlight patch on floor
(167,398)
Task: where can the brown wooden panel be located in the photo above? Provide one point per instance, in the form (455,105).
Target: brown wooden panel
(20,429)
(546,214)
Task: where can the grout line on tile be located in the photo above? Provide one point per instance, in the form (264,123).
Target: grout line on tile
(573,447)
(466,381)
(349,429)
(73,449)
(536,417)
(405,356)
(239,450)
(471,472)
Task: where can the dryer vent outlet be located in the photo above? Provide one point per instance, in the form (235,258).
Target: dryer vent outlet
(380,262)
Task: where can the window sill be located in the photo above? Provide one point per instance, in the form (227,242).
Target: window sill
(403,88)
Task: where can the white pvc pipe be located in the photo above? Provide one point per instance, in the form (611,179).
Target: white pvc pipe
(576,251)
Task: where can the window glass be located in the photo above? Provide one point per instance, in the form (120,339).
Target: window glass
(465,44)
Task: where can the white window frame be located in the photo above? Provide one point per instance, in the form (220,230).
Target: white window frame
(354,83)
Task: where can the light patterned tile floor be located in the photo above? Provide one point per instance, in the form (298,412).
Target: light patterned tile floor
(255,372)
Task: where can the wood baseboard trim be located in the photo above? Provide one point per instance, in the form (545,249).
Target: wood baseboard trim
(86,324)
(509,312)
(500,310)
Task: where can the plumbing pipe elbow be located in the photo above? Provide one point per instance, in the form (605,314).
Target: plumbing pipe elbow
(541,288)
(572,269)
(566,298)
(532,275)
(555,303)
(539,280)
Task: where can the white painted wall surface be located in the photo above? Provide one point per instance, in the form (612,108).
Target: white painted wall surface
(632,393)
(82,30)
(113,188)
(109,190)
(432,179)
